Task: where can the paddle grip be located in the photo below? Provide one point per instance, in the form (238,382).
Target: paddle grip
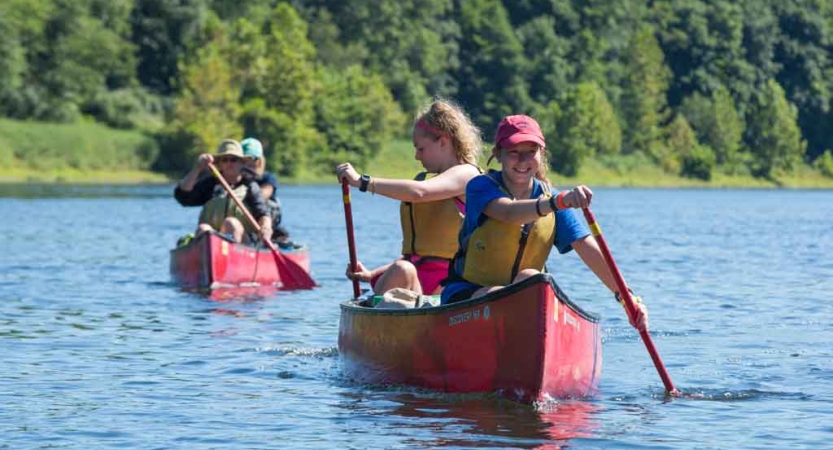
(351,239)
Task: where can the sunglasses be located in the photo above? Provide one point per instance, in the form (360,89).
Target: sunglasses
(225,159)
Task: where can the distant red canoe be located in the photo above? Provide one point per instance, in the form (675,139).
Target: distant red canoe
(211,260)
(527,342)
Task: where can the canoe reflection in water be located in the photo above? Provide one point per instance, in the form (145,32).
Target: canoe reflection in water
(232,296)
(241,294)
(432,420)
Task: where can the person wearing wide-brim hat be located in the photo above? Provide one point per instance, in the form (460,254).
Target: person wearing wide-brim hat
(219,212)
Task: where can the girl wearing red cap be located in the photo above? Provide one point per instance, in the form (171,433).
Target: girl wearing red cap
(447,144)
(512,220)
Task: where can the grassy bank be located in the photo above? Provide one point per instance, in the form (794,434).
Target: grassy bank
(75,153)
(76,176)
(397,161)
(90,153)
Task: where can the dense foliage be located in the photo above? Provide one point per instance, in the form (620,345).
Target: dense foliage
(693,86)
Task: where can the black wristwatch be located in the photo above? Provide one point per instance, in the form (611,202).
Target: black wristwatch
(365,180)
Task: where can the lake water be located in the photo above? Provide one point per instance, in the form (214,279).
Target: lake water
(100,350)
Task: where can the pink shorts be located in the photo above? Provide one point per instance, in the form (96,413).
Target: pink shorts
(430,272)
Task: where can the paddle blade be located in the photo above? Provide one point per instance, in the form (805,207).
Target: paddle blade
(293,276)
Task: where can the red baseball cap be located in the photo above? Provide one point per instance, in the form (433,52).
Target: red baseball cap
(513,130)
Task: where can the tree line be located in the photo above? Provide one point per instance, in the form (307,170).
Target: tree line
(695,86)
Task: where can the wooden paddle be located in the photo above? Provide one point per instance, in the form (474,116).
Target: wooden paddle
(351,240)
(293,276)
(630,306)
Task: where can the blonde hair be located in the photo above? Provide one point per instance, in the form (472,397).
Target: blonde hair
(260,166)
(444,117)
(540,174)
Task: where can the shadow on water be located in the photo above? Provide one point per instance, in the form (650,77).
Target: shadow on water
(480,420)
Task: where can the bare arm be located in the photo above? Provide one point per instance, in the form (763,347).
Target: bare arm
(265,223)
(589,251)
(451,183)
(362,274)
(187,183)
(267,190)
(519,212)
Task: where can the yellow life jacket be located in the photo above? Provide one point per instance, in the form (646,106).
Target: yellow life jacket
(430,228)
(496,251)
(215,211)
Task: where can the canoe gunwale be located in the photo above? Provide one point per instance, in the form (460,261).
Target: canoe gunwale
(256,248)
(352,306)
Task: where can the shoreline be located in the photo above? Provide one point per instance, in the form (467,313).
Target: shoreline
(138,177)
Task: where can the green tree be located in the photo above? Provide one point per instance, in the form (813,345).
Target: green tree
(588,127)
(63,54)
(356,113)
(12,56)
(279,81)
(162,31)
(698,163)
(491,77)
(703,42)
(803,50)
(824,163)
(600,33)
(412,45)
(686,155)
(23,60)
(774,138)
(548,71)
(208,110)
(717,123)
(644,105)
(331,48)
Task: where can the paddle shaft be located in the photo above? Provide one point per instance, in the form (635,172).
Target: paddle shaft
(351,239)
(625,294)
(300,280)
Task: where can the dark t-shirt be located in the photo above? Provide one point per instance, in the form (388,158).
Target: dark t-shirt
(272,180)
(206,188)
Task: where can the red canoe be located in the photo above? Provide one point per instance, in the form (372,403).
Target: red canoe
(211,260)
(527,342)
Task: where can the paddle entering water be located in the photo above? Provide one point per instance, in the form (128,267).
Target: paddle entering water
(630,306)
(351,240)
(292,275)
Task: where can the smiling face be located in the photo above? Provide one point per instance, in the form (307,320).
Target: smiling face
(433,152)
(520,162)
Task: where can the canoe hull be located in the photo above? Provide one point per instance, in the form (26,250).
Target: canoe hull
(211,260)
(528,342)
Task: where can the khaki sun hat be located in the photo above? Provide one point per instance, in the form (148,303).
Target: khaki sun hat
(230,147)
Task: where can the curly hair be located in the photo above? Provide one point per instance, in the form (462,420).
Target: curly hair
(444,117)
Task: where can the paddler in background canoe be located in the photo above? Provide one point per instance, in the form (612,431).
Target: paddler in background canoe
(513,221)
(447,144)
(255,165)
(218,210)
